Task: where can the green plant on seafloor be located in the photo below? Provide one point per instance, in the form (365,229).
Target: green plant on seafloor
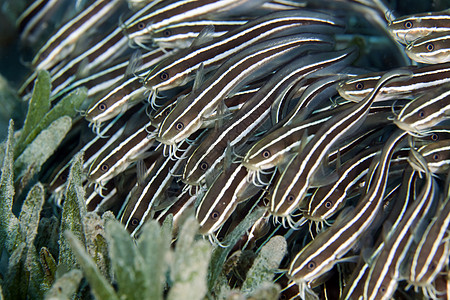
(45,257)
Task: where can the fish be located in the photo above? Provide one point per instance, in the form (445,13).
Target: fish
(221,198)
(384,273)
(182,34)
(295,180)
(63,41)
(174,12)
(191,111)
(407,29)
(256,110)
(430,49)
(436,155)
(132,144)
(181,68)
(421,114)
(319,256)
(37,17)
(423,80)
(127,93)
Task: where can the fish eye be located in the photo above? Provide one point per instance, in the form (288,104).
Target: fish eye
(290,198)
(141,25)
(311,265)
(102,106)
(434,137)
(382,289)
(436,156)
(204,166)
(167,32)
(179,126)
(430,47)
(104,167)
(265,154)
(164,76)
(328,204)
(359,86)
(421,114)
(134,221)
(215,215)
(408,24)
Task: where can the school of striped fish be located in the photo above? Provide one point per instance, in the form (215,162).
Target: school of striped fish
(219,107)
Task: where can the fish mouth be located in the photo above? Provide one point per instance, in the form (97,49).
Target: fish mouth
(404,126)
(165,141)
(188,180)
(249,166)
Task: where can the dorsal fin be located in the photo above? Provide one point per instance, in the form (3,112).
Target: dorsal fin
(141,171)
(205,35)
(227,161)
(134,64)
(250,191)
(199,77)
(83,69)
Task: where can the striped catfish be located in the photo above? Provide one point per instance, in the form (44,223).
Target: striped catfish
(432,252)
(437,156)
(180,68)
(437,133)
(93,148)
(128,148)
(149,191)
(111,46)
(181,35)
(222,197)
(127,93)
(426,111)
(209,155)
(178,11)
(423,80)
(63,41)
(36,19)
(232,104)
(103,80)
(138,204)
(355,289)
(313,96)
(180,209)
(320,255)
(295,180)
(280,145)
(111,195)
(409,28)
(327,200)
(430,49)
(191,111)
(385,271)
